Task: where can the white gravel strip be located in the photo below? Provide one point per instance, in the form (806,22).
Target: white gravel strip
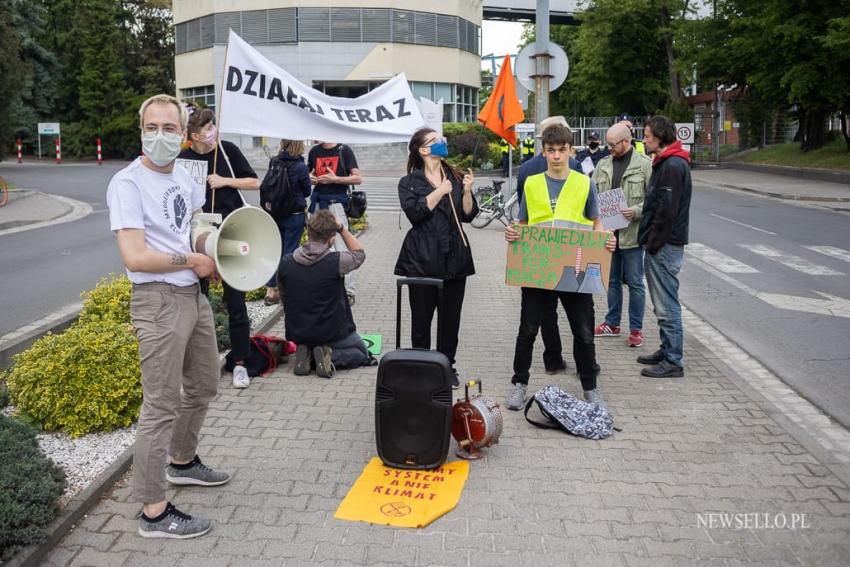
(84,458)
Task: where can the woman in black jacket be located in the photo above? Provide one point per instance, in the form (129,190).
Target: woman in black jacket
(436,198)
(291,225)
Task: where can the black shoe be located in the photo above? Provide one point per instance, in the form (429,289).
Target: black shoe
(663,370)
(455,382)
(652,359)
(324,366)
(302,360)
(561,367)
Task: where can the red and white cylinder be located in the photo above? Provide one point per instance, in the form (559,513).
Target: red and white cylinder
(58,151)
(99,153)
(20,150)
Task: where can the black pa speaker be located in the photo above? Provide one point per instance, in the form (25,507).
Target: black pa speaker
(413,409)
(413,399)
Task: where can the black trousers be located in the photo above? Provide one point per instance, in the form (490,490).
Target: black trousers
(238,322)
(423,303)
(553,357)
(536,304)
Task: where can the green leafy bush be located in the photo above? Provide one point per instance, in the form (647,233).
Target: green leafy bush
(108,301)
(4,393)
(82,380)
(30,487)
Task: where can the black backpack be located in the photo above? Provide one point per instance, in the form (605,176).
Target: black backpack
(276,196)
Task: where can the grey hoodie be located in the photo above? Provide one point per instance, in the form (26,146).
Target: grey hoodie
(312,252)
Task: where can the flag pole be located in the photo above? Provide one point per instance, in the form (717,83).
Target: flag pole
(218,119)
(475,149)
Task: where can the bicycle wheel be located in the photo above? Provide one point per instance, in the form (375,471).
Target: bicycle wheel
(488,208)
(4,192)
(512,209)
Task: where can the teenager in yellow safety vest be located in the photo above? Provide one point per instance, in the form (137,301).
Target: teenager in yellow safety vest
(565,198)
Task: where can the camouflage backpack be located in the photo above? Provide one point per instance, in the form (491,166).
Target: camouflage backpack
(575,416)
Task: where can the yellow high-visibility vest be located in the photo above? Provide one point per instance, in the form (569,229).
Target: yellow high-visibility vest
(639,147)
(570,204)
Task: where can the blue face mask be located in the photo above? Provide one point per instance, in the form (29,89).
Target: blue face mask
(440,149)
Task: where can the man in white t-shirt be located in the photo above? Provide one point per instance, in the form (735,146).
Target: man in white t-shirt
(151,204)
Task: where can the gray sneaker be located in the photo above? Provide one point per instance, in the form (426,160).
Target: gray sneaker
(324,367)
(174,524)
(595,397)
(198,474)
(516,399)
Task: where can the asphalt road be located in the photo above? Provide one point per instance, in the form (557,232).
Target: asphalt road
(753,270)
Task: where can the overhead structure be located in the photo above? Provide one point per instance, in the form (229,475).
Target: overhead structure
(561,11)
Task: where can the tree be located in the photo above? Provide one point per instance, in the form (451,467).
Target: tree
(10,71)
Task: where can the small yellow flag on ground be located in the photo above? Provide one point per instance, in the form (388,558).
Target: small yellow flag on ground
(403,498)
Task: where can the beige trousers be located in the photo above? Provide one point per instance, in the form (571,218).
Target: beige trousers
(180,372)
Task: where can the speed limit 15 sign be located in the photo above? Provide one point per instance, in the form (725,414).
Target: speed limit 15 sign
(685,132)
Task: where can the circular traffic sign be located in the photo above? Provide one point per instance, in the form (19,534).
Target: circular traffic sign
(684,133)
(526,66)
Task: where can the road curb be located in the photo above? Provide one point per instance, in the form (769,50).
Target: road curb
(79,506)
(810,173)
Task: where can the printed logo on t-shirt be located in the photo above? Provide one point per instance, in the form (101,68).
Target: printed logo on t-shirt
(325,165)
(175,209)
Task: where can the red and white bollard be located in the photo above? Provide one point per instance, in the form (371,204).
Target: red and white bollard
(99,153)
(58,151)
(20,150)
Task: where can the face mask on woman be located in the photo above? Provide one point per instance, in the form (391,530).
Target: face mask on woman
(440,149)
(211,136)
(593,145)
(161,147)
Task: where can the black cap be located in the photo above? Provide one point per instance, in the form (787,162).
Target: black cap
(624,116)
(593,136)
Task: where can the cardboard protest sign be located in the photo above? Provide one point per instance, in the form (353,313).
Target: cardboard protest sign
(610,203)
(197,171)
(562,259)
(403,498)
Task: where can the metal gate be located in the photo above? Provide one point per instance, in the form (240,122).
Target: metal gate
(706,142)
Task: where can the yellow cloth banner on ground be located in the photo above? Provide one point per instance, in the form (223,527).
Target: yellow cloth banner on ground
(403,498)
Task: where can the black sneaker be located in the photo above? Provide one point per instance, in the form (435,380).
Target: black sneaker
(561,367)
(455,381)
(302,360)
(198,474)
(664,369)
(173,524)
(655,358)
(324,367)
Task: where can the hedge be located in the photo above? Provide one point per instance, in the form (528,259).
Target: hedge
(30,487)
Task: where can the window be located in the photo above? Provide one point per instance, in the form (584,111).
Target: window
(205,96)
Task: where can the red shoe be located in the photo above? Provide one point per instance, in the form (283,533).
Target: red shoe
(636,338)
(606,330)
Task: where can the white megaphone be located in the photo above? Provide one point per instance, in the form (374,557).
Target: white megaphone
(246,247)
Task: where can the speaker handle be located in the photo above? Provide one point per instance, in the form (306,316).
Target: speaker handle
(469,383)
(400,282)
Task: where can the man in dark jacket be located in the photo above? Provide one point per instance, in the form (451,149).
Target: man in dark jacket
(664,233)
(593,150)
(318,315)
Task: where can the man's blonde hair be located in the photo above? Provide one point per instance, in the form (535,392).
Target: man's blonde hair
(292,147)
(164,99)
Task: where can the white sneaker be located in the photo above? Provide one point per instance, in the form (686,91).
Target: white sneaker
(240,377)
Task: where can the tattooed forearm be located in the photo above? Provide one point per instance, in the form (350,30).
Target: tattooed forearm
(177,259)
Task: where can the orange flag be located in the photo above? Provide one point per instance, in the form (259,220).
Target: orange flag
(503,109)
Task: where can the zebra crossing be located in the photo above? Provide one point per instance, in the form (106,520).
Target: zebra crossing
(729,265)
(382,197)
(722,265)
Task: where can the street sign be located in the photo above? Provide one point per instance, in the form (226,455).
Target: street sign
(685,132)
(524,129)
(559,66)
(48,128)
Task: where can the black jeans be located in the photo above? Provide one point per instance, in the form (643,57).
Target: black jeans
(423,302)
(536,305)
(238,321)
(553,357)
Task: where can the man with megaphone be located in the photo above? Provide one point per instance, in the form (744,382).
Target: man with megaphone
(151,204)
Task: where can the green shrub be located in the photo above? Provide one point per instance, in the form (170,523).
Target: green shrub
(109,300)
(30,487)
(4,392)
(82,380)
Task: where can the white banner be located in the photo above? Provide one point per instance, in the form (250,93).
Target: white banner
(261,99)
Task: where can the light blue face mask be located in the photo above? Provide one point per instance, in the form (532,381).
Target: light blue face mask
(440,149)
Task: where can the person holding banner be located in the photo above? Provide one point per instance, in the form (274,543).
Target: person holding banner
(232,173)
(564,198)
(436,198)
(333,170)
(151,203)
(629,170)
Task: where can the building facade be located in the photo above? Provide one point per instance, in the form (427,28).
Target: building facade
(342,48)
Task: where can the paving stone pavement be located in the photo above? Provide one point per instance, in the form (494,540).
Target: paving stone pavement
(693,453)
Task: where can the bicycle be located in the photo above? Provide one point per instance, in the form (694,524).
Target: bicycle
(492,205)
(4,192)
